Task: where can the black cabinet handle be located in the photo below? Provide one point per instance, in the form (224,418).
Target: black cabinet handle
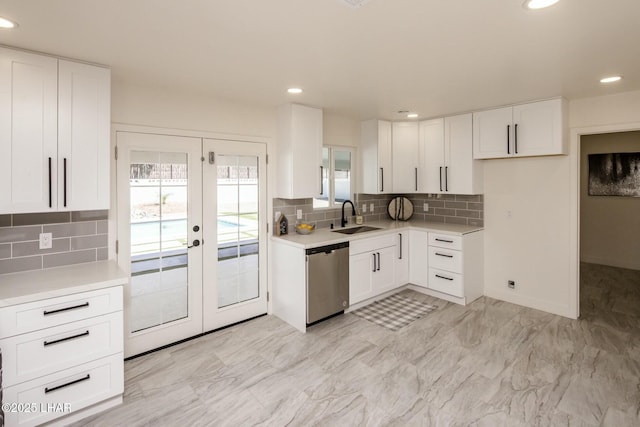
(442,277)
(444,255)
(50,199)
(515,140)
(374,262)
(446,178)
(381,179)
(400,234)
(416,179)
(60,310)
(508,136)
(58,387)
(83,334)
(440,178)
(321,180)
(445,241)
(64,176)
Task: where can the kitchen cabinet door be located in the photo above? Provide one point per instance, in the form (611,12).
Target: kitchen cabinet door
(299,151)
(83,136)
(376,157)
(462,174)
(492,133)
(405,143)
(401,259)
(361,269)
(28,132)
(418,258)
(432,155)
(384,277)
(538,129)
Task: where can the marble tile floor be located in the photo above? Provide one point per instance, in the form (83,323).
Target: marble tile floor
(488,364)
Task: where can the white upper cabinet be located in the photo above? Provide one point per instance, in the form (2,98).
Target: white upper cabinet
(446,150)
(83,136)
(534,129)
(28,132)
(54,134)
(299,151)
(405,142)
(376,157)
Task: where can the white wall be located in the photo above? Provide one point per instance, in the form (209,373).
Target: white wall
(609,226)
(537,246)
(341,130)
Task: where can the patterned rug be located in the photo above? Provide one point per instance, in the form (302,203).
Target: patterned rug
(394,312)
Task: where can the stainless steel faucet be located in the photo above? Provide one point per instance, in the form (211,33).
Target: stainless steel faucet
(343,220)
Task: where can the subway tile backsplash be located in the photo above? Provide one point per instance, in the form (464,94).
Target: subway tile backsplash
(443,208)
(78,237)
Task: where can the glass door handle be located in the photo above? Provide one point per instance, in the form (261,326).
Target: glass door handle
(195,243)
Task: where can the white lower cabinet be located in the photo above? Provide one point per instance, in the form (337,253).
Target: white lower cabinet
(402,258)
(62,355)
(418,258)
(456,265)
(371,267)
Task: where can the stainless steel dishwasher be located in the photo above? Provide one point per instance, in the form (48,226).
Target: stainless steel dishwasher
(327,281)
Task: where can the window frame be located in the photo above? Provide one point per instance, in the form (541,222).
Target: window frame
(331,197)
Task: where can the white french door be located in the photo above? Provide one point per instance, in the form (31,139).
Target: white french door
(235,284)
(175,208)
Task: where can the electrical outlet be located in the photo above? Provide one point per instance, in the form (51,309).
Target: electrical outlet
(426,207)
(371,208)
(45,241)
(364,208)
(511,284)
(277,216)
(299,214)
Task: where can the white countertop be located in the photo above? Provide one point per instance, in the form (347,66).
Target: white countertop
(326,236)
(20,288)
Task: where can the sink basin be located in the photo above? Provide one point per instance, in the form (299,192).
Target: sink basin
(354,230)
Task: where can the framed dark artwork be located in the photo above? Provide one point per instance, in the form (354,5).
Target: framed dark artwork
(614,174)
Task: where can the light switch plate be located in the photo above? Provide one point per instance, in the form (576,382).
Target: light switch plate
(426,207)
(45,241)
(299,214)
(371,208)
(364,208)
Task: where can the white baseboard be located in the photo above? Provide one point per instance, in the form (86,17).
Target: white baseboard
(527,301)
(612,262)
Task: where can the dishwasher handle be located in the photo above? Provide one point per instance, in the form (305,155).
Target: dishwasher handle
(328,249)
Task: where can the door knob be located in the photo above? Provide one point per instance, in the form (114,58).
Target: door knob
(195,243)
(196,228)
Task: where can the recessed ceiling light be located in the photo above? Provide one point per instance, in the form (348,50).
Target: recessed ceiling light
(5,23)
(611,79)
(294,90)
(412,115)
(539,4)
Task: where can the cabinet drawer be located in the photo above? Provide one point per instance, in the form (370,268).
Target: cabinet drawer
(445,259)
(371,244)
(446,282)
(66,391)
(33,355)
(445,241)
(22,318)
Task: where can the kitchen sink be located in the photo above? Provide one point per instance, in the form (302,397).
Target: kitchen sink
(354,230)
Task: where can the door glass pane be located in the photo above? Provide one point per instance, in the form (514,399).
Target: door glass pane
(237,190)
(159,281)
(342,175)
(323,200)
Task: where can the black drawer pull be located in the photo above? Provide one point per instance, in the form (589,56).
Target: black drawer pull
(442,277)
(444,255)
(445,241)
(84,334)
(60,310)
(58,387)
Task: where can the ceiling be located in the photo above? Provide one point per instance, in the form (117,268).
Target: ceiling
(434,57)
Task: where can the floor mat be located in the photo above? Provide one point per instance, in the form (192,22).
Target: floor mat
(394,312)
